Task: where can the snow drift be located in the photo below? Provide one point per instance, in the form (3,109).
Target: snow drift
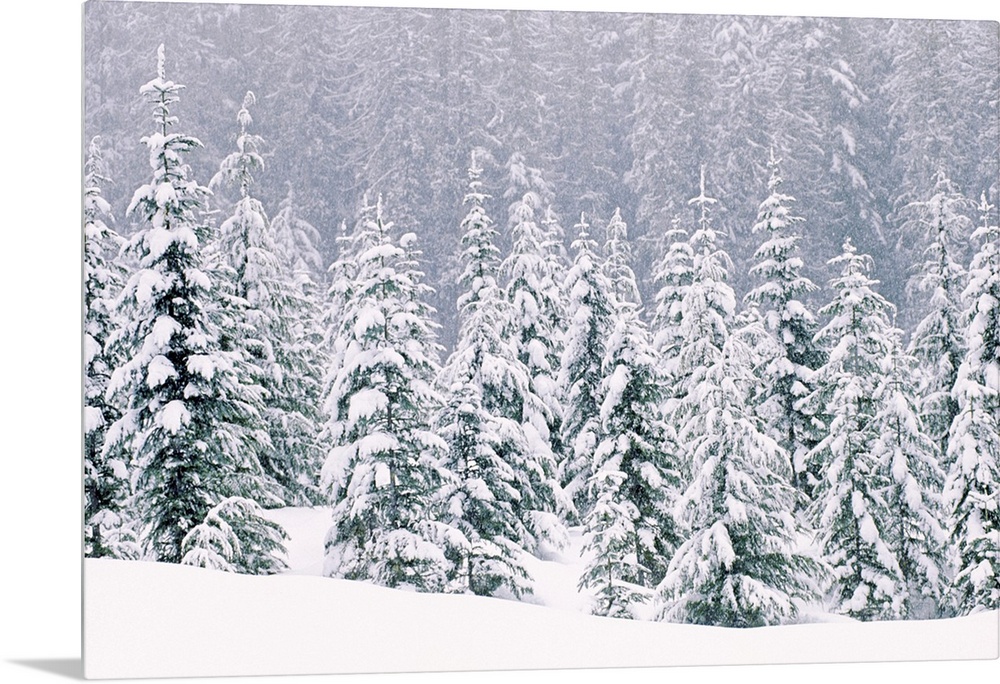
(152,619)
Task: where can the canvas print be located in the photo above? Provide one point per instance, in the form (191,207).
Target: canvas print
(439,339)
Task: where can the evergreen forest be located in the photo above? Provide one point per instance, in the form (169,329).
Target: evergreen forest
(718,296)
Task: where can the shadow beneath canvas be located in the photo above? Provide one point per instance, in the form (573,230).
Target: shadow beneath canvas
(71,668)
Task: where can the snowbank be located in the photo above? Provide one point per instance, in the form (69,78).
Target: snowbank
(150,619)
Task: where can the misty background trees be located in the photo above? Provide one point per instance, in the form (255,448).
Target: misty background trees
(616,110)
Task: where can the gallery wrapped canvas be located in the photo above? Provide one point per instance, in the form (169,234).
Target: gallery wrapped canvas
(468,339)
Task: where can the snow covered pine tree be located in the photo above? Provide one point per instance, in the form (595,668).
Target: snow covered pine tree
(383,470)
(580,372)
(937,342)
(535,327)
(908,456)
(849,508)
(737,566)
(705,313)
(266,306)
(672,276)
(630,531)
(191,423)
(778,296)
(972,491)
(107,528)
(494,502)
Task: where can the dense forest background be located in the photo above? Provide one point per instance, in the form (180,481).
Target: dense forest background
(606,110)
(723,455)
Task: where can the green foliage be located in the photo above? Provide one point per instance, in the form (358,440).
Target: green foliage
(236,537)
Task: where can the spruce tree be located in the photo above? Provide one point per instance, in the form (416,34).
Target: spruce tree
(557,266)
(480,501)
(191,424)
(629,532)
(972,489)
(554,248)
(706,312)
(107,528)
(590,313)
(937,340)
(491,500)
(672,276)
(273,316)
(382,470)
(618,261)
(235,536)
(534,327)
(907,458)
(709,303)
(296,239)
(739,566)
(521,180)
(850,510)
(763,351)
(787,377)
(342,277)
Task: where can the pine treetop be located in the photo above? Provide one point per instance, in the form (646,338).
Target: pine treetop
(617,264)
(237,168)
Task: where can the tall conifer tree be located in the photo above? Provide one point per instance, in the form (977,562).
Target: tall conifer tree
(270,314)
(706,312)
(494,501)
(107,529)
(630,531)
(383,470)
(850,510)
(534,327)
(739,567)
(191,424)
(972,489)
(907,457)
(778,296)
(618,261)
(672,277)
(937,342)
(590,324)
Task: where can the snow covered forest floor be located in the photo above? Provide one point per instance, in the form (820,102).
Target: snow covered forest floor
(156,619)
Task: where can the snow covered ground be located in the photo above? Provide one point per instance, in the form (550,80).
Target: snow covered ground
(150,619)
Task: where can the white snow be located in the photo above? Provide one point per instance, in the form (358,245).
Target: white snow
(159,370)
(307,528)
(613,389)
(118,468)
(718,545)
(174,416)
(367,319)
(164,328)
(145,282)
(383,476)
(202,364)
(981,573)
(91,348)
(92,419)
(160,239)
(198,277)
(366,403)
(140,616)
(376,443)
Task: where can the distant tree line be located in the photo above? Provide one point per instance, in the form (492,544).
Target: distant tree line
(618,110)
